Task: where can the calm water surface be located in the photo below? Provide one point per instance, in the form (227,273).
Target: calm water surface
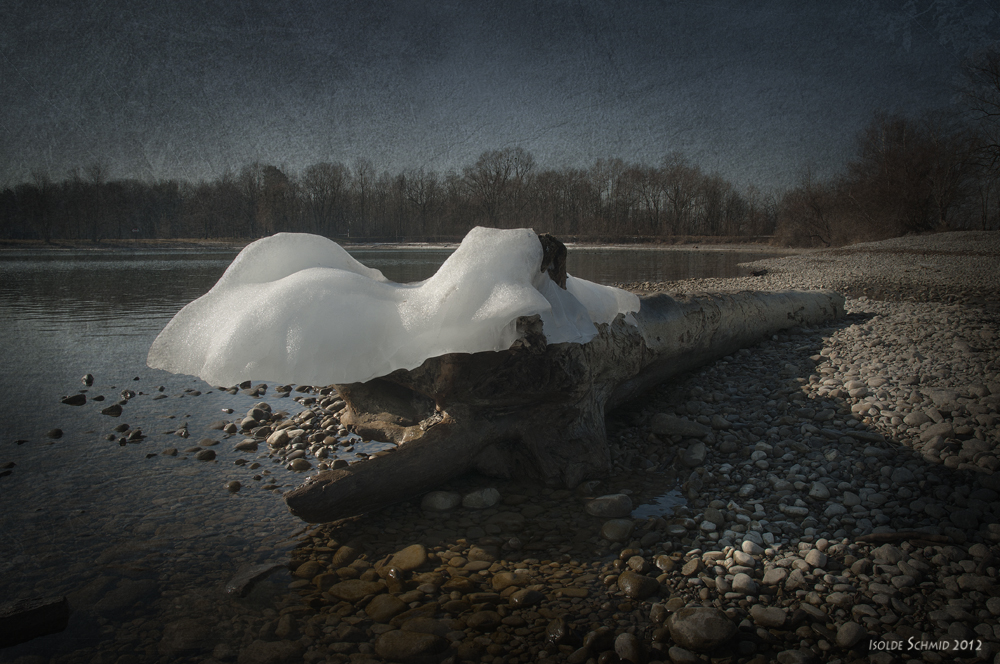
(94,519)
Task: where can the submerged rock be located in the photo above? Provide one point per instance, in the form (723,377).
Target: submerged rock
(114,410)
(613,506)
(271,652)
(700,629)
(440,501)
(410,558)
(481,499)
(399,645)
(617,530)
(248,576)
(23,620)
(185,636)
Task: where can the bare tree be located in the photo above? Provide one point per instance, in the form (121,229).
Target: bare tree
(712,191)
(41,210)
(680,188)
(251,184)
(907,175)
(499,182)
(97,173)
(806,215)
(613,197)
(362,184)
(982,95)
(276,208)
(421,191)
(648,184)
(324,188)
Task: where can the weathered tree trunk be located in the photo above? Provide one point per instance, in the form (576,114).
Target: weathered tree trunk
(536,410)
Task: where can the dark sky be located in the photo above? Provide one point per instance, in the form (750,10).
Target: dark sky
(757,91)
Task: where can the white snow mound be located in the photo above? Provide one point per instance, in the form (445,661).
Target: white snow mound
(297,308)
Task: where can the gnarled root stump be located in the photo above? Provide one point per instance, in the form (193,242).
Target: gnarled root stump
(536,410)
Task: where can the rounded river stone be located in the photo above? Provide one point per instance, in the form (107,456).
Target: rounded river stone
(612,506)
(409,558)
(637,586)
(701,629)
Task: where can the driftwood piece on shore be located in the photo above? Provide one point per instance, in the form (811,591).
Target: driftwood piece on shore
(536,410)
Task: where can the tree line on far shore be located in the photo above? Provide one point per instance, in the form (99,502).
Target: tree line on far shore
(504,188)
(939,171)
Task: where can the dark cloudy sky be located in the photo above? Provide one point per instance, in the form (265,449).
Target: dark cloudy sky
(757,91)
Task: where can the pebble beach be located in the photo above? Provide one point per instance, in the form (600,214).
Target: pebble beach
(829,495)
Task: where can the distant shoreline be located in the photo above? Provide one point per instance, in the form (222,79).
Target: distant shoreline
(237,244)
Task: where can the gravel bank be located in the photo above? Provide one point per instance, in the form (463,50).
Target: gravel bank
(829,495)
(947,267)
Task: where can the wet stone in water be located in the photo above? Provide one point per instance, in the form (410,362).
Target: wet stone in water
(483,621)
(354,590)
(701,629)
(481,499)
(637,586)
(614,506)
(617,530)
(410,558)
(526,597)
(399,645)
(384,608)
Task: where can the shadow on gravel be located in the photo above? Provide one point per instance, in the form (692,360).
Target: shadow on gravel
(774,479)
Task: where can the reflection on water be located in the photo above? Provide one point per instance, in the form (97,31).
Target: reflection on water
(110,523)
(661,505)
(107,524)
(600,264)
(403,265)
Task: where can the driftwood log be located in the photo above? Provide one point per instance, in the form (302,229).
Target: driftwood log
(536,410)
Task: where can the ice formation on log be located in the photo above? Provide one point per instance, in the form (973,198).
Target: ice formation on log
(297,308)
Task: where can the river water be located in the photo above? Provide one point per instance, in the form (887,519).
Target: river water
(126,531)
